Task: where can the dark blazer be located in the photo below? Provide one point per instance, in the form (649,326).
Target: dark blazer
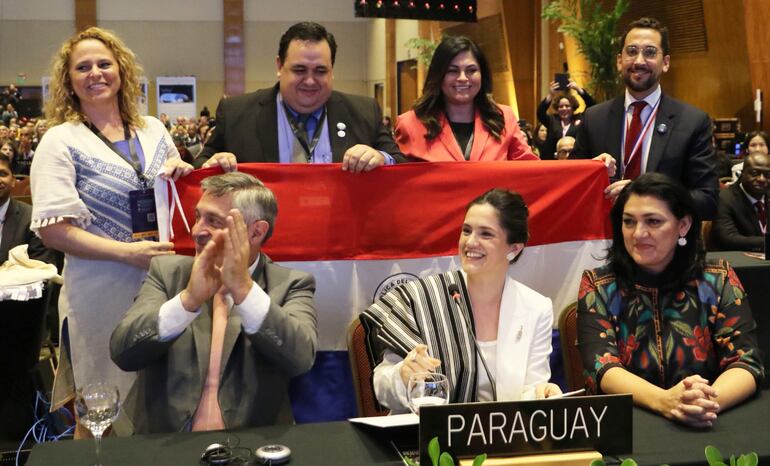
(682,151)
(247,126)
(255,372)
(737,226)
(553,123)
(16,231)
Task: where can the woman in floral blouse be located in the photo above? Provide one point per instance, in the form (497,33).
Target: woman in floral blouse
(658,321)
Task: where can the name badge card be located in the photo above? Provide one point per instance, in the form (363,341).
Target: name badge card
(144,218)
(465,430)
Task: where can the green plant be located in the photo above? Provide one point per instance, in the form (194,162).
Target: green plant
(438,458)
(423,47)
(626,462)
(594,30)
(714,457)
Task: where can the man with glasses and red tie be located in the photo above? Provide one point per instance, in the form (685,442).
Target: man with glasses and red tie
(741,218)
(646,130)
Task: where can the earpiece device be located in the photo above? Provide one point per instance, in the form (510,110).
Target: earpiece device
(273,454)
(217,454)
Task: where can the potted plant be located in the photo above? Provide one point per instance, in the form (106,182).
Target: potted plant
(593,27)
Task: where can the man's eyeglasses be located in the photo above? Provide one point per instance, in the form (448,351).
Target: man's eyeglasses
(649,52)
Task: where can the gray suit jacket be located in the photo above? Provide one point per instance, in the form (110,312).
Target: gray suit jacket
(737,225)
(255,368)
(682,151)
(247,126)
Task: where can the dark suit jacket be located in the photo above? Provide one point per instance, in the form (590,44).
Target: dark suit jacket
(737,226)
(253,387)
(683,151)
(247,126)
(16,231)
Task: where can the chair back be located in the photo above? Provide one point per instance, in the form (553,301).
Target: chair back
(707,235)
(573,363)
(361,365)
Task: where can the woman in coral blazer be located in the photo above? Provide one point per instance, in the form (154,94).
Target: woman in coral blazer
(456,118)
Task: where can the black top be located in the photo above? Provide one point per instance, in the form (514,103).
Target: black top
(463,133)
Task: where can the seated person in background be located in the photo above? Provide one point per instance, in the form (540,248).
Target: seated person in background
(538,140)
(502,327)
(757,143)
(564,121)
(564,147)
(216,338)
(15,215)
(301,119)
(22,320)
(693,354)
(741,217)
(456,119)
(24,153)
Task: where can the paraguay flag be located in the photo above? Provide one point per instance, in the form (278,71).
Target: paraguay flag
(361,234)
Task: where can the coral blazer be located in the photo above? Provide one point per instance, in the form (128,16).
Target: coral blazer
(410,136)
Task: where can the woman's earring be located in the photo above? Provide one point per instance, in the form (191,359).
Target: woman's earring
(682,241)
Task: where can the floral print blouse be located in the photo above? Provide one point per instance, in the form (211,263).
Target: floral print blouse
(664,337)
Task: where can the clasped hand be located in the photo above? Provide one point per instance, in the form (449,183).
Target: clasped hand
(691,402)
(222,265)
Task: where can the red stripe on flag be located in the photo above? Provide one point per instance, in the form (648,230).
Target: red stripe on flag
(411,210)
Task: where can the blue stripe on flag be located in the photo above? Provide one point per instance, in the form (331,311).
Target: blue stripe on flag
(326,392)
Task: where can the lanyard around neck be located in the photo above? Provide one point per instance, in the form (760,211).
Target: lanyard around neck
(301,133)
(134,158)
(642,135)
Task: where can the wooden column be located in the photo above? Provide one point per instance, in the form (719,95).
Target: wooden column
(757,17)
(391,69)
(234,62)
(520,19)
(85,14)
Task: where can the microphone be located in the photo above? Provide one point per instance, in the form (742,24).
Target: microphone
(454,292)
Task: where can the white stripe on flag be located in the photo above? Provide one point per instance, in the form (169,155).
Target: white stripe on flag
(345,288)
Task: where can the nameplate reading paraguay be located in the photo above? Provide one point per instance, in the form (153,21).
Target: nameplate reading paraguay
(602,423)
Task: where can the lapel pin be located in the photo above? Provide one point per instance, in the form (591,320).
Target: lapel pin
(518,335)
(341,133)
(341,126)
(662,128)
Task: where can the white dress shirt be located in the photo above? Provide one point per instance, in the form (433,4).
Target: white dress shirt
(173,318)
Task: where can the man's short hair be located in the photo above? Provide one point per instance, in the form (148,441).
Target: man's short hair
(647,23)
(251,197)
(306,30)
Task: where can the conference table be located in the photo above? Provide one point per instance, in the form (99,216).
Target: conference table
(741,430)
(755,276)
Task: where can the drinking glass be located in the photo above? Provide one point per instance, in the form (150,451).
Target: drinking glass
(97,406)
(427,388)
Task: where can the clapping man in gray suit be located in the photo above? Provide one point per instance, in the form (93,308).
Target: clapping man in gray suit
(216,338)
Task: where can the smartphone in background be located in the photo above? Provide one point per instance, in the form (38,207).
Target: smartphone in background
(738,149)
(562,79)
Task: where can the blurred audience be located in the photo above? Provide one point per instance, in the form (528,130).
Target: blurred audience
(564,119)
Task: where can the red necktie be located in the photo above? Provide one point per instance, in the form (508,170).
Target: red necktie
(761,213)
(633,161)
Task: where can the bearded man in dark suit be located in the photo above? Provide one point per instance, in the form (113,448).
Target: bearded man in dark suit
(664,135)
